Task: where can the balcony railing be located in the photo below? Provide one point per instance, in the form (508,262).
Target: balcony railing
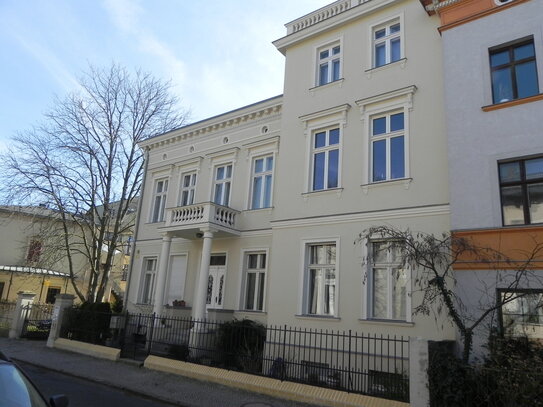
(187,217)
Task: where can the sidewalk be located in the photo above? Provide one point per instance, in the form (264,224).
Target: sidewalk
(131,377)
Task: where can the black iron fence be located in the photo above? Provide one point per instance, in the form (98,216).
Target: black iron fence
(376,365)
(37,321)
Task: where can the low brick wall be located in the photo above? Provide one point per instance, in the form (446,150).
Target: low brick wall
(265,385)
(97,351)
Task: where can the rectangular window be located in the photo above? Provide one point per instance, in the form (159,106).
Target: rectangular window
(159,201)
(51,295)
(255,280)
(513,71)
(388,147)
(325,159)
(320,288)
(148,288)
(188,187)
(261,188)
(35,250)
(329,64)
(522,313)
(521,189)
(223,180)
(387,43)
(388,282)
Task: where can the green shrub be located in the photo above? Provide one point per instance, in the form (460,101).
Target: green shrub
(241,343)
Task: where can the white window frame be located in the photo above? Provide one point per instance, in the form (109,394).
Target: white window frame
(145,272)
(387,136)
(190,190)
(262,175)
(386,24)
(380,105)
(159,198)
(328,61)
(314,123)
(224,199)
(326,150)
(389,265)
(261,277)
(303,305)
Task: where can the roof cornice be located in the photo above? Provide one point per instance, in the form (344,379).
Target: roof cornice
(268,108)
(328,18)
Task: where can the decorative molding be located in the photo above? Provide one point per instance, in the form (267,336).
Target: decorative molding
(371,216)
(405,181)
(405,94)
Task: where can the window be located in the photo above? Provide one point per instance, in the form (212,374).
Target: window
(188,186)
(223,179)
(521,189)
(513,71)
(329,64)
(325,159)
(35,250)
(387,44)
(262,182)
(148,288)
(124,273)
(159,202)
(522,313)
(388,147)
(388,282)
(52,293)
(321,279)
(255,279)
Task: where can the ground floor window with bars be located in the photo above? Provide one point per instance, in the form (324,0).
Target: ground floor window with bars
(320,279)
(255,281)
(388,282)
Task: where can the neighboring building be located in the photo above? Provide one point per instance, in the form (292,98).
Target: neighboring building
(30,256)
(493,86)
(254,213)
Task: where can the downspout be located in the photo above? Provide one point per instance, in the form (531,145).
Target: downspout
(136,230)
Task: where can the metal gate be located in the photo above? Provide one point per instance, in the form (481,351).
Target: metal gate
(37,321)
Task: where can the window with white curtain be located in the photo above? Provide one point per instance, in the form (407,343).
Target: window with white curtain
(320,279)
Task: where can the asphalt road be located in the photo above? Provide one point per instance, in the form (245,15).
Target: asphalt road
(83,393)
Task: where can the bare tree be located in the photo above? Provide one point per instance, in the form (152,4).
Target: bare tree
(84,163)
(432,258)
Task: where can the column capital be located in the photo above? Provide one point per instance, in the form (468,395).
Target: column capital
(208,232)
(167,237)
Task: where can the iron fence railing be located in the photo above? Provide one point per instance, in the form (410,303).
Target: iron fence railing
(345,360)
(37,321)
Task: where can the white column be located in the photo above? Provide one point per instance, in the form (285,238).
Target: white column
(62,302)
(199,307)
(24,300)
(162,273)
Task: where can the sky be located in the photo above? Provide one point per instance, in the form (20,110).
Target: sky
(217,53)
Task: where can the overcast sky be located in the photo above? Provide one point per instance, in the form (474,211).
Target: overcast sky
(218,53)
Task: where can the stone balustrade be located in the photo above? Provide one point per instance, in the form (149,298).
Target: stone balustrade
(201,213)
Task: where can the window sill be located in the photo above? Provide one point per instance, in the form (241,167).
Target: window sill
(405,181)
(253,312)
(511,103)
(389,322)
(336,191)
(338,83)
(268,209)
(315,316)
(401,62)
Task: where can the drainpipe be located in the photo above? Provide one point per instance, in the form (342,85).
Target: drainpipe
(136,230)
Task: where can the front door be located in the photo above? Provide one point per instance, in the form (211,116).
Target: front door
(215,282)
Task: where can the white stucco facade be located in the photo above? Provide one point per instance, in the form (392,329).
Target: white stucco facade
(330,181)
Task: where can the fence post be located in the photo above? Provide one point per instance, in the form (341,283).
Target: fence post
(24,299)
(62,302)
(419,394)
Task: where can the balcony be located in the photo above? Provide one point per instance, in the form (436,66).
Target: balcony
(186,221)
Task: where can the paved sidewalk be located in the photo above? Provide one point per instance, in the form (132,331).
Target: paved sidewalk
(131,377)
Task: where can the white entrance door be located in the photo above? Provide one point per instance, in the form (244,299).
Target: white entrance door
(215,282)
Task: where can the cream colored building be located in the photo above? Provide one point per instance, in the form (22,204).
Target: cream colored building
(30,258)
(254,213)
